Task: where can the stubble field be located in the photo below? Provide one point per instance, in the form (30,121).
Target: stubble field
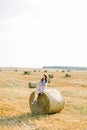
(15,113)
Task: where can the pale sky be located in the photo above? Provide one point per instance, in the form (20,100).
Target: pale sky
(36,33)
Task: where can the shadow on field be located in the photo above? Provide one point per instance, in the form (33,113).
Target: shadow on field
(23,118)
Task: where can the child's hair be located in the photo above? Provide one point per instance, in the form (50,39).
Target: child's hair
(45,79)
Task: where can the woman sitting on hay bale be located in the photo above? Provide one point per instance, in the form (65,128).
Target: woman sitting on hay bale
(40,88)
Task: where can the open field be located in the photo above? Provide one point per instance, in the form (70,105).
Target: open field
(15,113)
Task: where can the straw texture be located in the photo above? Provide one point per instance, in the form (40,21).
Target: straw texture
(51,101)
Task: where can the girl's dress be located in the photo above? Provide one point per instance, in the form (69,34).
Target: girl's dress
(41,87)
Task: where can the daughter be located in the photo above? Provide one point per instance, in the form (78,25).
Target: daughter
(40,88)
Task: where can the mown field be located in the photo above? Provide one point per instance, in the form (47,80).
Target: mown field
(15,113)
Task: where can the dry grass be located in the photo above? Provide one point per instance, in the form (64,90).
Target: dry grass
(15,113)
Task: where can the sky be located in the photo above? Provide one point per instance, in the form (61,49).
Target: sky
(36,33)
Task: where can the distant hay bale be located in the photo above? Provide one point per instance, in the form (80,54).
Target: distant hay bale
(63,71)
(15,70)
(50,75)
(32,84)
(45,71)
(49,80)
(51,101)
(27,72)
(67,75)
(34,70)
(68,70)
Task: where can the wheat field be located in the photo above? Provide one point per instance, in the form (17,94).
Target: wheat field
(15,112)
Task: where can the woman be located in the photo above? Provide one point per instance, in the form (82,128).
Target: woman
(40,88)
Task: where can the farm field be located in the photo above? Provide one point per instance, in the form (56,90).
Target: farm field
(15,112)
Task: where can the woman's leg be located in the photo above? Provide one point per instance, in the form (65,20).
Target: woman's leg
(36,96)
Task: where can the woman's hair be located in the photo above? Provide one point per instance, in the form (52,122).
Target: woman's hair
(45,78)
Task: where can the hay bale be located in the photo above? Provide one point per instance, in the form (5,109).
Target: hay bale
(63,71)
(32,84)
(49,80)
(27,72)
(45,71)
(15,70)
(51,101)
(34,71)
(50,75)
(67,75)
(68,70)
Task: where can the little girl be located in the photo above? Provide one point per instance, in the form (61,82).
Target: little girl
(40,88)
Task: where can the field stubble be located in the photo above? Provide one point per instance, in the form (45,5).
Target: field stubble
(15,113)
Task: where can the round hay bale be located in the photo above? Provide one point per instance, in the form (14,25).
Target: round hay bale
(49,80)
(45,71)
(50,75)
(34,70)
(27,72)
(63,71)
(51,101)
(67,75)
(68,70)
(15,70)
(32,84)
